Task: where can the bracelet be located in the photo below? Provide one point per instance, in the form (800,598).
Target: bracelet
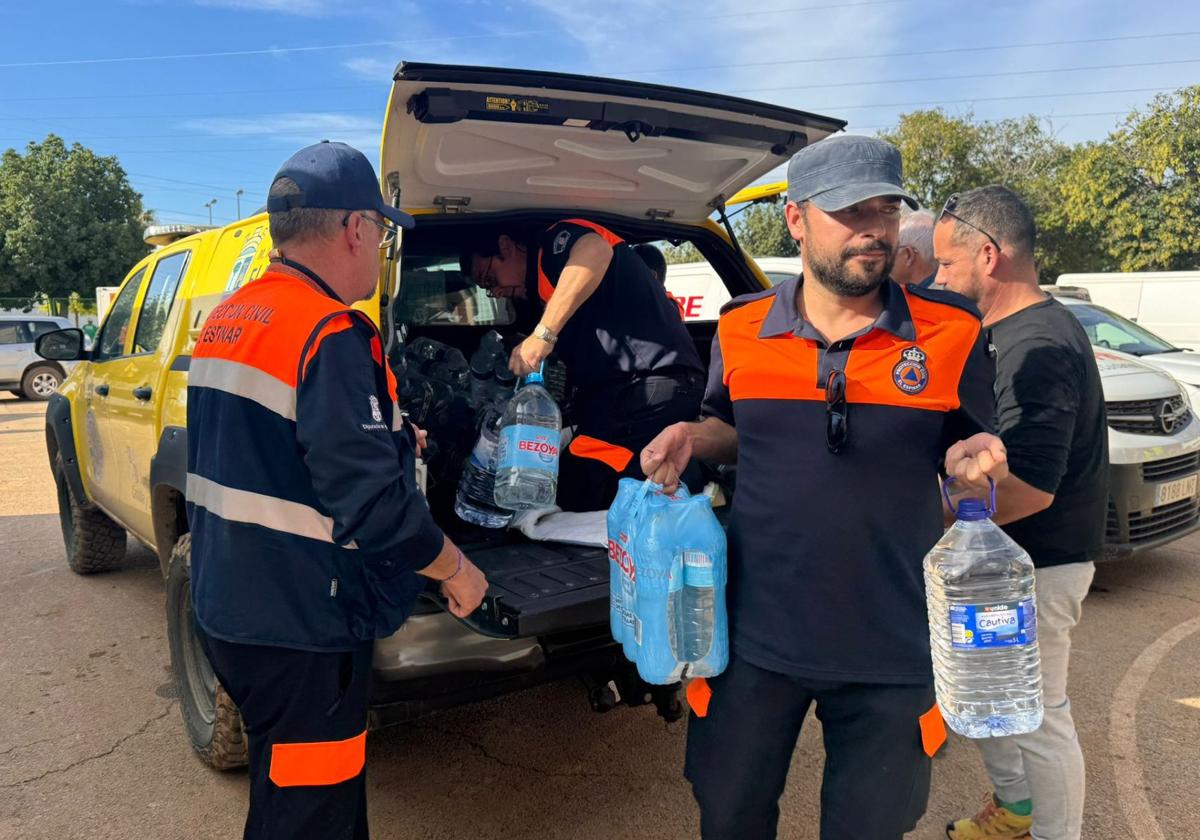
(457,570)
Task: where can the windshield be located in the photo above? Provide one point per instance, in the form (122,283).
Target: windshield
(1108,329)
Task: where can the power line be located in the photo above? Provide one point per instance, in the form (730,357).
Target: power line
(946,51)
(993,98)
(890,126)
(272,50)
(434,40)
(972,76)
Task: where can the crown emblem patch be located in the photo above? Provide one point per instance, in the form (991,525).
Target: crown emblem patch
(910,374)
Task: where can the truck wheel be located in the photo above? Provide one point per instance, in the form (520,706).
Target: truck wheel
(93,541)
(212,719)
(40,382)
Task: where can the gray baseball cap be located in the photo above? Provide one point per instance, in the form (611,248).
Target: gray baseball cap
(845,169)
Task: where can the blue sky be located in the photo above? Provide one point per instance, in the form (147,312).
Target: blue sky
(200,98)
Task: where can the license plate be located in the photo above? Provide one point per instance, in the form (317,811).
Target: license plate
(1175,491)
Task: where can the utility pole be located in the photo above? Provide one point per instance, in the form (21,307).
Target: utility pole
(238,196)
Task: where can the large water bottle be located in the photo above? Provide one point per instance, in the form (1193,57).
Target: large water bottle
(693,606)
(979,588)
(475,501)
(527,459)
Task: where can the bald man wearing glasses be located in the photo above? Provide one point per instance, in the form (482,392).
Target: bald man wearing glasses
(632,362)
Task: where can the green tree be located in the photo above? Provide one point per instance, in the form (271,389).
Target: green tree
(69,220)
(683,253)
(762,231)
(1137,195)
(944,155)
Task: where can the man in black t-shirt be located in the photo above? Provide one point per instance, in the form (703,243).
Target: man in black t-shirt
(627,352)
(1050,414)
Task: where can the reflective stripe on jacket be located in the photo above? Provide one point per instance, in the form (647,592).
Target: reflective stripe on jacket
(307,526)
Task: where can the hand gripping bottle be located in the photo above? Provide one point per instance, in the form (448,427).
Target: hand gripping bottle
(979,589)
(527,457)
(621,596)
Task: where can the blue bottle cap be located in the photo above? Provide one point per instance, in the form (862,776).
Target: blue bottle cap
(972,510)
(536,376)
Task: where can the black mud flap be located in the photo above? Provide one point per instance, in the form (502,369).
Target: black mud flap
(538,589)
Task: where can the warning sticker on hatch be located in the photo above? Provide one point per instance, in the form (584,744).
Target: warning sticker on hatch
(515,105)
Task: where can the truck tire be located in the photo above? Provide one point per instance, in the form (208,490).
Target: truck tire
(212,719)
(94,542)
(40,382)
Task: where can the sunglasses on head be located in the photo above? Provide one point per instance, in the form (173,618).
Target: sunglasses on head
(948,210)
(837,421)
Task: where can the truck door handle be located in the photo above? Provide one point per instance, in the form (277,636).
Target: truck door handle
(102,390)
(142,393)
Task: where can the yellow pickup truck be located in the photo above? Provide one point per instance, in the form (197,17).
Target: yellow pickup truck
(466,150)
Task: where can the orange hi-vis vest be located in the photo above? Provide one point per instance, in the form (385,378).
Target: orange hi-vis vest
(266,566)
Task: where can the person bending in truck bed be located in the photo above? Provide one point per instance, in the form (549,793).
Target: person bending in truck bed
(634,365)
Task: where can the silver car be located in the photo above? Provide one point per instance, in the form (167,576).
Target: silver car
(22,371)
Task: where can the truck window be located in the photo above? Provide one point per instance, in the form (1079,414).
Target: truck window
(157,304)
(696,288)
(434,291)
(11,333)
(111,342)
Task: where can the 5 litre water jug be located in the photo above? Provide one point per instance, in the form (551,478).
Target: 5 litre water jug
(475,499)
(979,588)
(527,456)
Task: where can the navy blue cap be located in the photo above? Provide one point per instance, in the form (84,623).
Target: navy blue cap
(845,169)
(333,176)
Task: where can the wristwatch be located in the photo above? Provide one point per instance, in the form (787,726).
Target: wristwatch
(545,334)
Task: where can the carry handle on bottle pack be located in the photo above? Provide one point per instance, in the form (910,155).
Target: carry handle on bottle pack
(678,552)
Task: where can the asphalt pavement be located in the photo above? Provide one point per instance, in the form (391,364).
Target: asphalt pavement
(92,744)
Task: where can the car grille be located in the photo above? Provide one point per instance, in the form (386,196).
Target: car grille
(1149,417)
(1162,521)
(1169,468)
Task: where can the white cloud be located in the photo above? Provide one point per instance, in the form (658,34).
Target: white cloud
(375,69)
(300,128)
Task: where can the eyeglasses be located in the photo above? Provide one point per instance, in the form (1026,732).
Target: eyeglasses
(948,210)
(837,421)
(486,279)
(389,232)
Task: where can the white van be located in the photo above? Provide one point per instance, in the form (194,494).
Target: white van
(700,293)
(1165,302)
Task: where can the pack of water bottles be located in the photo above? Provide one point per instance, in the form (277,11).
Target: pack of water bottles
(979,589)
(667,585)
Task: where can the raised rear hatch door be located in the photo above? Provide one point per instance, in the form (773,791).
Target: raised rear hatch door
(488,139)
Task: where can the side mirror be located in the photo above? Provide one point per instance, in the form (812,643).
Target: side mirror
(61,346)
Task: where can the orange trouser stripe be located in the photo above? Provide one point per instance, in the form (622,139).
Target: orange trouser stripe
(933,731)
(617,457)
(318,762)
(698,696)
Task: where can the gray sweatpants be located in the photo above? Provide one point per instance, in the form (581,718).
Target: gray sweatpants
(1047,765)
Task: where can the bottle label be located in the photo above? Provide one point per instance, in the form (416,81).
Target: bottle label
(527,448)
(483,455)
(1010,624)
(697,569)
